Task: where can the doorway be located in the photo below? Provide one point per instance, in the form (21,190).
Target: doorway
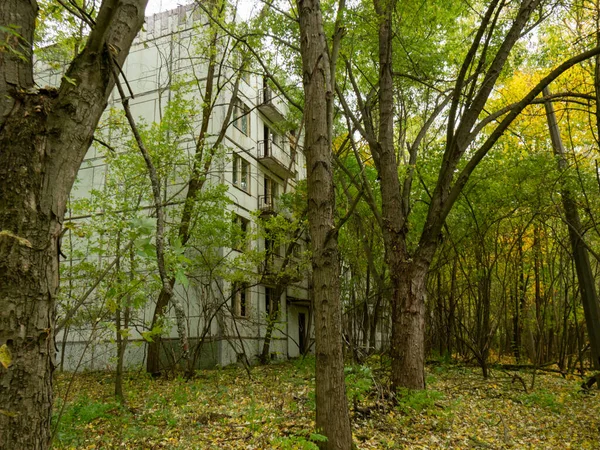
(302,333)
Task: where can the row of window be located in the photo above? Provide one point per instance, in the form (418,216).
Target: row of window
(240,300)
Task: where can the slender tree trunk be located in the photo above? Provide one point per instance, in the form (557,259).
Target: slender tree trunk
(283,281)
(451,318)
(366,320)
(585,276)
(153,356)
(272,318)
(332,419)
(520,299)
(202,163)
(118,336)
(122,315)
(44,136)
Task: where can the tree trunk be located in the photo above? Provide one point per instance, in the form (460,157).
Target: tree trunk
(332,419)
(153,356)
(585,276)
(44,136)
(408,326)
(28,281)
(272,318)
(202,164)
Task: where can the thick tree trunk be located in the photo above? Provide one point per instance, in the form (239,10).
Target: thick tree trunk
(408,326)
(44,136)
(585,276)
(332,406)
(28,281)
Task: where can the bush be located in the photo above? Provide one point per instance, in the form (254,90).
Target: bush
(298,442)
(359,382)
(416,402)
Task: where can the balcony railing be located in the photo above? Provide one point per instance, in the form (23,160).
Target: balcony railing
(267,204)
(273,272)
(275,158)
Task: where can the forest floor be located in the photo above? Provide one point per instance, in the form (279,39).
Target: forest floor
(225,409)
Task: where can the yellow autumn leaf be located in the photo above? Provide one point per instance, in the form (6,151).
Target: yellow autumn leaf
(5,356)
(8,234)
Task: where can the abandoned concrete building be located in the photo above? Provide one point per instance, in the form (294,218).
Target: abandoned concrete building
(259,162)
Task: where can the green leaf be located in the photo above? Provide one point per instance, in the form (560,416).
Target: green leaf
(24,242)
(182,278)
(147,336)
(316,437)
(70,80)
(144,225)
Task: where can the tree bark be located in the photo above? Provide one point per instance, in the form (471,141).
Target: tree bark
(332,406)
(585,275)
(44,135)
(272,319)
(408,300)
(408,327)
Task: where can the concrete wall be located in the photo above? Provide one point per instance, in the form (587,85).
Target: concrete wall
(166,51)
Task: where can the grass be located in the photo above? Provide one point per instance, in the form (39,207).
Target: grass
(224,409)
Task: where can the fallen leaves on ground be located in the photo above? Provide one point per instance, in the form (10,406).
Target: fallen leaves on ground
(274,409)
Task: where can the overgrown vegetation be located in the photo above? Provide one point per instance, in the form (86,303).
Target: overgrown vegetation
(225,409)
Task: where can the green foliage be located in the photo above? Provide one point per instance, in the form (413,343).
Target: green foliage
(542,398)
(411,402)
(76,416)
(226,409)
(120,226)
(293,443)
(304,366)
(359,382)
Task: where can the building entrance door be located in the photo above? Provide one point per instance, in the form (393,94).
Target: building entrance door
(302,332)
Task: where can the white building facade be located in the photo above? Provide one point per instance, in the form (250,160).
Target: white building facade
(260,160)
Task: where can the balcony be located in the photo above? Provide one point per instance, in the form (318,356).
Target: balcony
(274,158)
(267,205)
(298,294)
(270,105)
(273,272)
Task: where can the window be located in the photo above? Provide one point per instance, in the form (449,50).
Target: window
(270,190)
(272,138)
(275,139)
(296,249)
(241,117)
(271,303)
(239,297)
(241,173)
(240,227)
(269,247)
(240,65)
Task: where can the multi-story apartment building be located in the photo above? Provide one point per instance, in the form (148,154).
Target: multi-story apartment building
(260,162)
